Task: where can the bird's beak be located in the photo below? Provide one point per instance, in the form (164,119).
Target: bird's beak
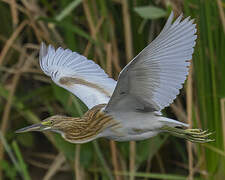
(35,127)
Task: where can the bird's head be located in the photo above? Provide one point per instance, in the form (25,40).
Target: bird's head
(57,123)
(74,130)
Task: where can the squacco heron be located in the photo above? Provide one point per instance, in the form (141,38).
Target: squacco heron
(129,109)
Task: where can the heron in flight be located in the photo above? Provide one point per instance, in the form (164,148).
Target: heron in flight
(129,109)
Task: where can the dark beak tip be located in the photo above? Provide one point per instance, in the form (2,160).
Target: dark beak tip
(18,131)
(34,127)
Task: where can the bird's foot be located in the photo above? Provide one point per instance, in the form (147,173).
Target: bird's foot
(198,135)
(193,135)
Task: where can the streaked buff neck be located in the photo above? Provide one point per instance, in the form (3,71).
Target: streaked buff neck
(80,130)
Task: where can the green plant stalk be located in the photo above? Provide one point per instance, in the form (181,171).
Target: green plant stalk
(67,10)
(148,175)
(102,160)
(208,69)
(9,151)
(22,164)
(18,160)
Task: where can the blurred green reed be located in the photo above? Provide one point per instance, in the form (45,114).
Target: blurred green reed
(97,30)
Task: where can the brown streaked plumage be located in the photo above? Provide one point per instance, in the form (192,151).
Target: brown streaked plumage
(89,126)
(71,81)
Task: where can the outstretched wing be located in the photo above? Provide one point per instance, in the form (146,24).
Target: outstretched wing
(77,74)
(151,81)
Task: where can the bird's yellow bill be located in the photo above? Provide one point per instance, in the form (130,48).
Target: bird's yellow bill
(35,127)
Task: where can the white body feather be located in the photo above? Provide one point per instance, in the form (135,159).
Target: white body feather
(135,126)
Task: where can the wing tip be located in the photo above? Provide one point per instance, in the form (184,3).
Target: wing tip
(45,57)
(43,51)
(171,17)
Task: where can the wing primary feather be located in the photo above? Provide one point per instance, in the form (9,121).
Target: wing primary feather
(152,80)
(77,74)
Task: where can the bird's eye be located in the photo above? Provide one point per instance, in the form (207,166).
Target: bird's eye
(47,123)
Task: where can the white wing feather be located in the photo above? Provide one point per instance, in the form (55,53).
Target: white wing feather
(151,81)
(77,74)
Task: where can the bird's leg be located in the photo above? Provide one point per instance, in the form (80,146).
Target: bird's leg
(193,135)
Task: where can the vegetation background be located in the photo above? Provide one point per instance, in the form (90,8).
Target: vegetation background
(111,33)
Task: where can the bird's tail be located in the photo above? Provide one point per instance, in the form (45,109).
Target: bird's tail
(175,128)
(172,123)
